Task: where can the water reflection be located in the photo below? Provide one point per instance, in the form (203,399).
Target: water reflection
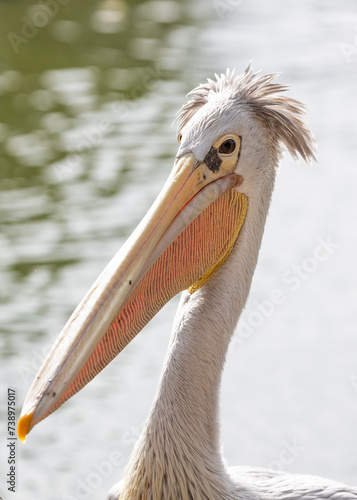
(73,110)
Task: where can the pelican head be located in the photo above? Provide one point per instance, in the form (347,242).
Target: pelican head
(232,131)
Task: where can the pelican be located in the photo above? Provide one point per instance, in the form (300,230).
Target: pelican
(201,237)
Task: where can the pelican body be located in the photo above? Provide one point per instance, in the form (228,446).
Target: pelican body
(201,236)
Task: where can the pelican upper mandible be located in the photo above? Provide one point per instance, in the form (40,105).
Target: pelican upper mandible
(201,236)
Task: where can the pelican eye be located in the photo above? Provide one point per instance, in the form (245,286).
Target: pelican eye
(227,147)
(179,138)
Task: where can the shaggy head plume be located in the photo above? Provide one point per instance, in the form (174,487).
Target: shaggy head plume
(281,116)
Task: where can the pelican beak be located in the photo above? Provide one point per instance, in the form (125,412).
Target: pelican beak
(182,240)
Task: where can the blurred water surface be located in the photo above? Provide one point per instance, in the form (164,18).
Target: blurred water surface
(87,99)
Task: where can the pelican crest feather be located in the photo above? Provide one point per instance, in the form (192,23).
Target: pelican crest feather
(279,115)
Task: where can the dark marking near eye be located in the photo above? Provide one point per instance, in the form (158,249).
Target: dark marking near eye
(212,160)
(129,282)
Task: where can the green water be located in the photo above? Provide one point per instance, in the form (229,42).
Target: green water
(73,83)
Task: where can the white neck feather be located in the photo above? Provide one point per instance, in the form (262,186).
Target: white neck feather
(178,455)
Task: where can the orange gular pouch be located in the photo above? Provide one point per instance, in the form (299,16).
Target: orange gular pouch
(188,262)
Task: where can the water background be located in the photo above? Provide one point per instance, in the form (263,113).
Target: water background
(86,105)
